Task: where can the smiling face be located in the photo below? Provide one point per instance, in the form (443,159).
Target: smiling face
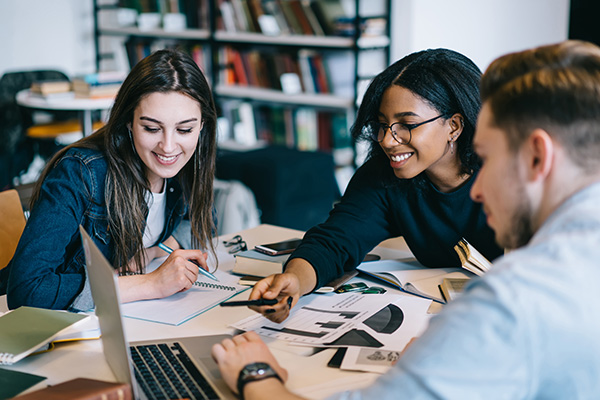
(429,148)
(501,185)
(165,130)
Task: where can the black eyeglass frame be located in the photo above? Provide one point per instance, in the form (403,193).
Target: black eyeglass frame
(375,133)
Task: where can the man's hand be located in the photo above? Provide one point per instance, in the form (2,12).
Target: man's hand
(234,354)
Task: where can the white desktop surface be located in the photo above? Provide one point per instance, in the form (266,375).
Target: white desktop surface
(84,105)
(25,98)
(309,376)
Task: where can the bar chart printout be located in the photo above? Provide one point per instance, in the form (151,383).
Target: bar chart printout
(323,320)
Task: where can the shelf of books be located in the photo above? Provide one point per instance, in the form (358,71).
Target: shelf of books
(296,67)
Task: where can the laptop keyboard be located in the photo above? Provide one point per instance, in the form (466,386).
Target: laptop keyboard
(166,372)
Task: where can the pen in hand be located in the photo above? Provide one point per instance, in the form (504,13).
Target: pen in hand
(169,250)
(258,302)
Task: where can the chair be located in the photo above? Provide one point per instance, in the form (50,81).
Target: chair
(12,223)
(294,189)
(18,143)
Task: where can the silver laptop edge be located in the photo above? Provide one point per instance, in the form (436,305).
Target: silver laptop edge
(104,287)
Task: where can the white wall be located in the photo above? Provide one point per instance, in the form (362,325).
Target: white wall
(58,33)
(47,34)
(480,29)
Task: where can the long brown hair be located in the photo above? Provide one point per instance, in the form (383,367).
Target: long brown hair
(126,183)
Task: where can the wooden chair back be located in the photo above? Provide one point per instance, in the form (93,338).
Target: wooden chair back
(12,223)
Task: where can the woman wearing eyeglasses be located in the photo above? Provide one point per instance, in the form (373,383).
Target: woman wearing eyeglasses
(419,116)
(129,185)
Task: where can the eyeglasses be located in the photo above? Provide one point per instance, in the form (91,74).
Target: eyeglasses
(401,132)
(235,244)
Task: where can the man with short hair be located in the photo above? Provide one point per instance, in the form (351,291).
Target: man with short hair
(530,328)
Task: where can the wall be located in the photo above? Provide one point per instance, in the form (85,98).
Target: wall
(480,29)
(58,33)
(47,34)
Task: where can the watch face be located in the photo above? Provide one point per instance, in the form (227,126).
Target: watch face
(255,372)
(257,369)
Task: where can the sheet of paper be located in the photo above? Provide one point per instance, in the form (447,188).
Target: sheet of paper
(348,319)
(369,359)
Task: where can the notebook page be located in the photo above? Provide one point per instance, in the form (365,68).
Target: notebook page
(180,307)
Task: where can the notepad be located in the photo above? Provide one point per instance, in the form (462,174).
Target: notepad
(181,307)
(26,329)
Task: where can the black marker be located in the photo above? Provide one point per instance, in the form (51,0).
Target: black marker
(259,302)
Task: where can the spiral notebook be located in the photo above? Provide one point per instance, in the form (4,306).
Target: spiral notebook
(26,329)
(180,307)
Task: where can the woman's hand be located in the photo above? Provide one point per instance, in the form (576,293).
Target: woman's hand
(285,287)
(234,354)
(176,274)
(298,279)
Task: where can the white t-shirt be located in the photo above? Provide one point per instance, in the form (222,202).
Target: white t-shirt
(155,223)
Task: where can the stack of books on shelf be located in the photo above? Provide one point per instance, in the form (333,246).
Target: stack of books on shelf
(282,17)
(302,127)
(272,70)
(294,17)
(98,85)
(52,90)
(195,11)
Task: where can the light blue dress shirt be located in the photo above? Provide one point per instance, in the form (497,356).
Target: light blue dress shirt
(529,329)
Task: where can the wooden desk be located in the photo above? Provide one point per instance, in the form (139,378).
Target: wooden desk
(309,375)
(83,105)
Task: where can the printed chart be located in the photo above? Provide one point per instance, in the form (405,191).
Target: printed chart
(350,319)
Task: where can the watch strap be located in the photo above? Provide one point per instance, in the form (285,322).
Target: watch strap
(255,372)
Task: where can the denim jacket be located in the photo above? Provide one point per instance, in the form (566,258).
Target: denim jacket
(48,268)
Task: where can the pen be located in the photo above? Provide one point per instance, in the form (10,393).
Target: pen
(169,250)
(259,302)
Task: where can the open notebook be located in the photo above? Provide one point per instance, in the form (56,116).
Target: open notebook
(180,307)
(412,277)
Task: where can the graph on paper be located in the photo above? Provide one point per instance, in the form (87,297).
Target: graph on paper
(350,319)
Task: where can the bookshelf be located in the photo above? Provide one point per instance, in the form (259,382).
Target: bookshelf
(283,71)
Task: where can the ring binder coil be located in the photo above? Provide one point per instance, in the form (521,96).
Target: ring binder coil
(214,286)
(6,358)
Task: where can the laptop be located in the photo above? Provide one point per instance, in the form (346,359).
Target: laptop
(180,368)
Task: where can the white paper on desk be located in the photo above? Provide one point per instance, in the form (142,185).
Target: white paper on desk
(347,319)
(412,277)
(180,307)
(368,359)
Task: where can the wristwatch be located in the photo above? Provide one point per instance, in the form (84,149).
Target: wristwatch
(255,372)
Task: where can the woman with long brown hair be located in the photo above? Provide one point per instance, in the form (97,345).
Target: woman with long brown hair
(130,185)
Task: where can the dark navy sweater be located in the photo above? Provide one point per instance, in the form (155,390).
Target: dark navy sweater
(378,206)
